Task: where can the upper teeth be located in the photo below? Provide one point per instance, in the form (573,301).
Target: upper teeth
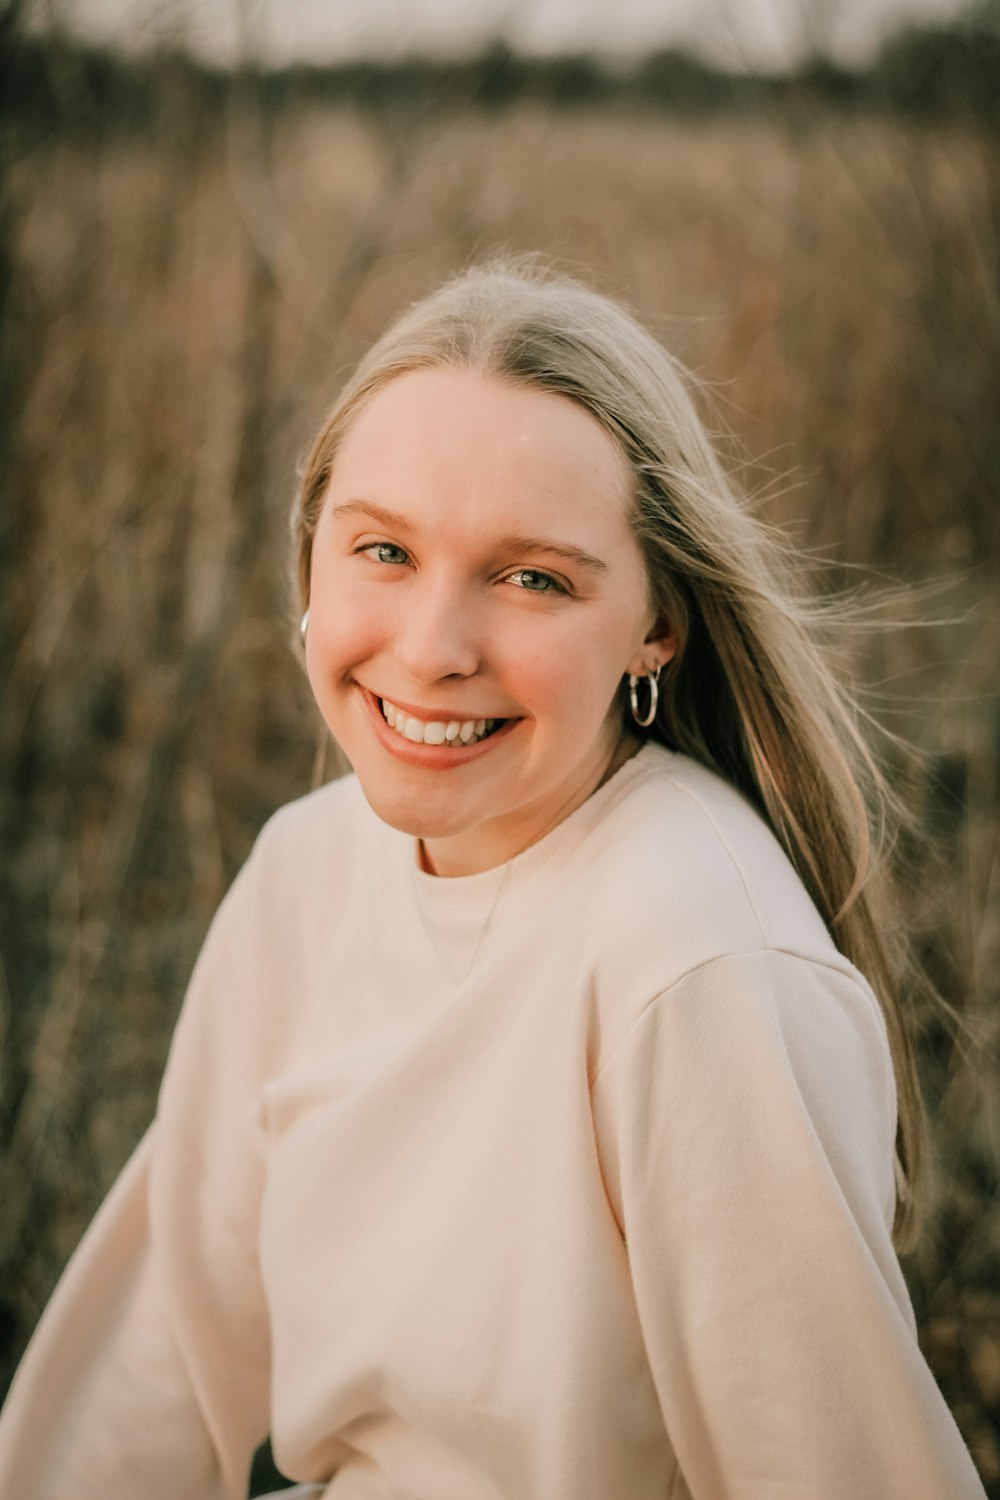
(437,732)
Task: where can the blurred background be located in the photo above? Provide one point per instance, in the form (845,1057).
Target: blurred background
(208,211)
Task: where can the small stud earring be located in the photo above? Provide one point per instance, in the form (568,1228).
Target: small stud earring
(304,624)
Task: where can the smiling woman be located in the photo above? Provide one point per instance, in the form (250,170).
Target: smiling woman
(542,1113)
(505,585)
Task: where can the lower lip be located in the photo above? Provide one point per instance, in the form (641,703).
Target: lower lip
(430,757)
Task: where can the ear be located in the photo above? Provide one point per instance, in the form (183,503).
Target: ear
(659,647)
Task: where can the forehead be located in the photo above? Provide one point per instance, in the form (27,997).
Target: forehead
(458,442)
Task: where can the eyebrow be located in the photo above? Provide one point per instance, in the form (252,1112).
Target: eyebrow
(556,549)
(390,519)
(510,543)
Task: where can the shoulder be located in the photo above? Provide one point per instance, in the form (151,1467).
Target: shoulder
(715,935)
(306,855)
(693,897)
(274,926)
(687,858)
(305,827)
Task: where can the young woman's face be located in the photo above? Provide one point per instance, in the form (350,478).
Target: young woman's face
(476,595)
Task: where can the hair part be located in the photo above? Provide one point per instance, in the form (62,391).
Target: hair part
(750,691)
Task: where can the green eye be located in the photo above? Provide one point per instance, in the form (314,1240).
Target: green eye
(535,582)
(386,552)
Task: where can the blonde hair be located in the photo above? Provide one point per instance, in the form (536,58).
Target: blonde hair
(750,691)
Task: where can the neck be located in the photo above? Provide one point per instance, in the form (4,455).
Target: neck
(484,848)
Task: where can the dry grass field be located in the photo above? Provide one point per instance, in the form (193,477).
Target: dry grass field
(183,298)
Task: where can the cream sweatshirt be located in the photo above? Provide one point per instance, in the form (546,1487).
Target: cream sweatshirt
(572,1180)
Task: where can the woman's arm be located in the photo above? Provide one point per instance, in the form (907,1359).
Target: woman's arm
(102,1405)
(148,1374)
(746,1127)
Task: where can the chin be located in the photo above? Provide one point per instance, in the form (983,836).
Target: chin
(415,814)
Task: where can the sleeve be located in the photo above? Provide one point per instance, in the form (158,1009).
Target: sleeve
(745,1124)
(148,1373)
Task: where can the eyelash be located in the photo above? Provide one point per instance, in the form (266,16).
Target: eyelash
(555,587)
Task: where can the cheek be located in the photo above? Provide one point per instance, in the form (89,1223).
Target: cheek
(343,625)
(340,637)
(573,681)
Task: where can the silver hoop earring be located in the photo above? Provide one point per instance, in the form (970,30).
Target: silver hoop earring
(653,679)
(304,625)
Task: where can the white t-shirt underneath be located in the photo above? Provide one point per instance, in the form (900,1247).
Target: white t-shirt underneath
(456,912)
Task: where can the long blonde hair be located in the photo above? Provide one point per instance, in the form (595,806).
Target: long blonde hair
(750,691)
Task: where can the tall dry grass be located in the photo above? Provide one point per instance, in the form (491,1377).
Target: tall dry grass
(182,303)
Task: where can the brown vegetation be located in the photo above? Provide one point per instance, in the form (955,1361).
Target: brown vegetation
(182,300)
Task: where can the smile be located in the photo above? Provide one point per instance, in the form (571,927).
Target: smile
(437,731)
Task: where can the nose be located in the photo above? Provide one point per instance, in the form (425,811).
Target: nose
(436,635)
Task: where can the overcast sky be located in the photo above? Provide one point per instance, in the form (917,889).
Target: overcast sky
(737,33)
